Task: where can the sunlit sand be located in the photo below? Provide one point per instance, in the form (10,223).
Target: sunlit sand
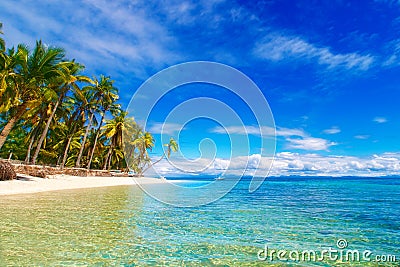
(29,184)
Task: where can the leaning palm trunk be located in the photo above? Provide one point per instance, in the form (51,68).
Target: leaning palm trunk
(10,124)
(172,147)
(78,161)
(152,164)
(108,159)
(66,152)
(28,152)
(129,158)
(109,163)
(67,147)
(95,142)
(33,141)
(46,129)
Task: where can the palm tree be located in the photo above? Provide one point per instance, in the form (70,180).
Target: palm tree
(87,105)
(114,131)
(100,149)
(172,146)
(142,142)
(75,107)
(8,100)
(66,137)
(9,95)
(106,95)
(35,121)
(32,73)
(67,80)
(15,146)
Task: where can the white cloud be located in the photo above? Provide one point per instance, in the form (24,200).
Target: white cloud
(254,130)
(41,23)
(189,12)
(304,117)
(309,143)
(391,61)
(286,132)
(333,130)
(393,49)
(277,47)
(313,164)
(288,163)
(295,138)
(362,137)
(165,128)
(380,120)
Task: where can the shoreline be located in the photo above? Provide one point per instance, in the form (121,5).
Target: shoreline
(26,184)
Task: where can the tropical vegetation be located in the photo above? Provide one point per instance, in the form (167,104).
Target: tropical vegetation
(51,113)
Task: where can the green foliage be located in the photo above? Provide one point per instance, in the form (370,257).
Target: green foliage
(2,43)
(15,145)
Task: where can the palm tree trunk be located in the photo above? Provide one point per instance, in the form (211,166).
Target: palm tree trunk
(107,158)
(128,159)
(152,164)
(46,129)
(58,160)
(10,124)
(95,141)
(67,147)
(33,141)
(78,161)
(28,153)
(109,162)
(66,152)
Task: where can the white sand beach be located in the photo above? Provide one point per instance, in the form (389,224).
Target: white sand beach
(30,184)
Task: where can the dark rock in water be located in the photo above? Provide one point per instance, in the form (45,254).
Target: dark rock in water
(7,171)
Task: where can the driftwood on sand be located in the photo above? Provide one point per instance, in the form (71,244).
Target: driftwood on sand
(11,169)
(44,171)
(7,171)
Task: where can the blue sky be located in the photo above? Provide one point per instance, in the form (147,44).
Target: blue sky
(329,70)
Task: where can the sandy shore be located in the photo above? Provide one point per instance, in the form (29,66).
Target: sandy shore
(30,184)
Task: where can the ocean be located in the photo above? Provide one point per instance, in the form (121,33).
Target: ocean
(313,221)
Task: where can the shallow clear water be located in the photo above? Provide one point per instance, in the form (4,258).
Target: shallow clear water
(122,226)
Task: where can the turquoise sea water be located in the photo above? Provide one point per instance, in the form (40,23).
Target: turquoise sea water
(122,226)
